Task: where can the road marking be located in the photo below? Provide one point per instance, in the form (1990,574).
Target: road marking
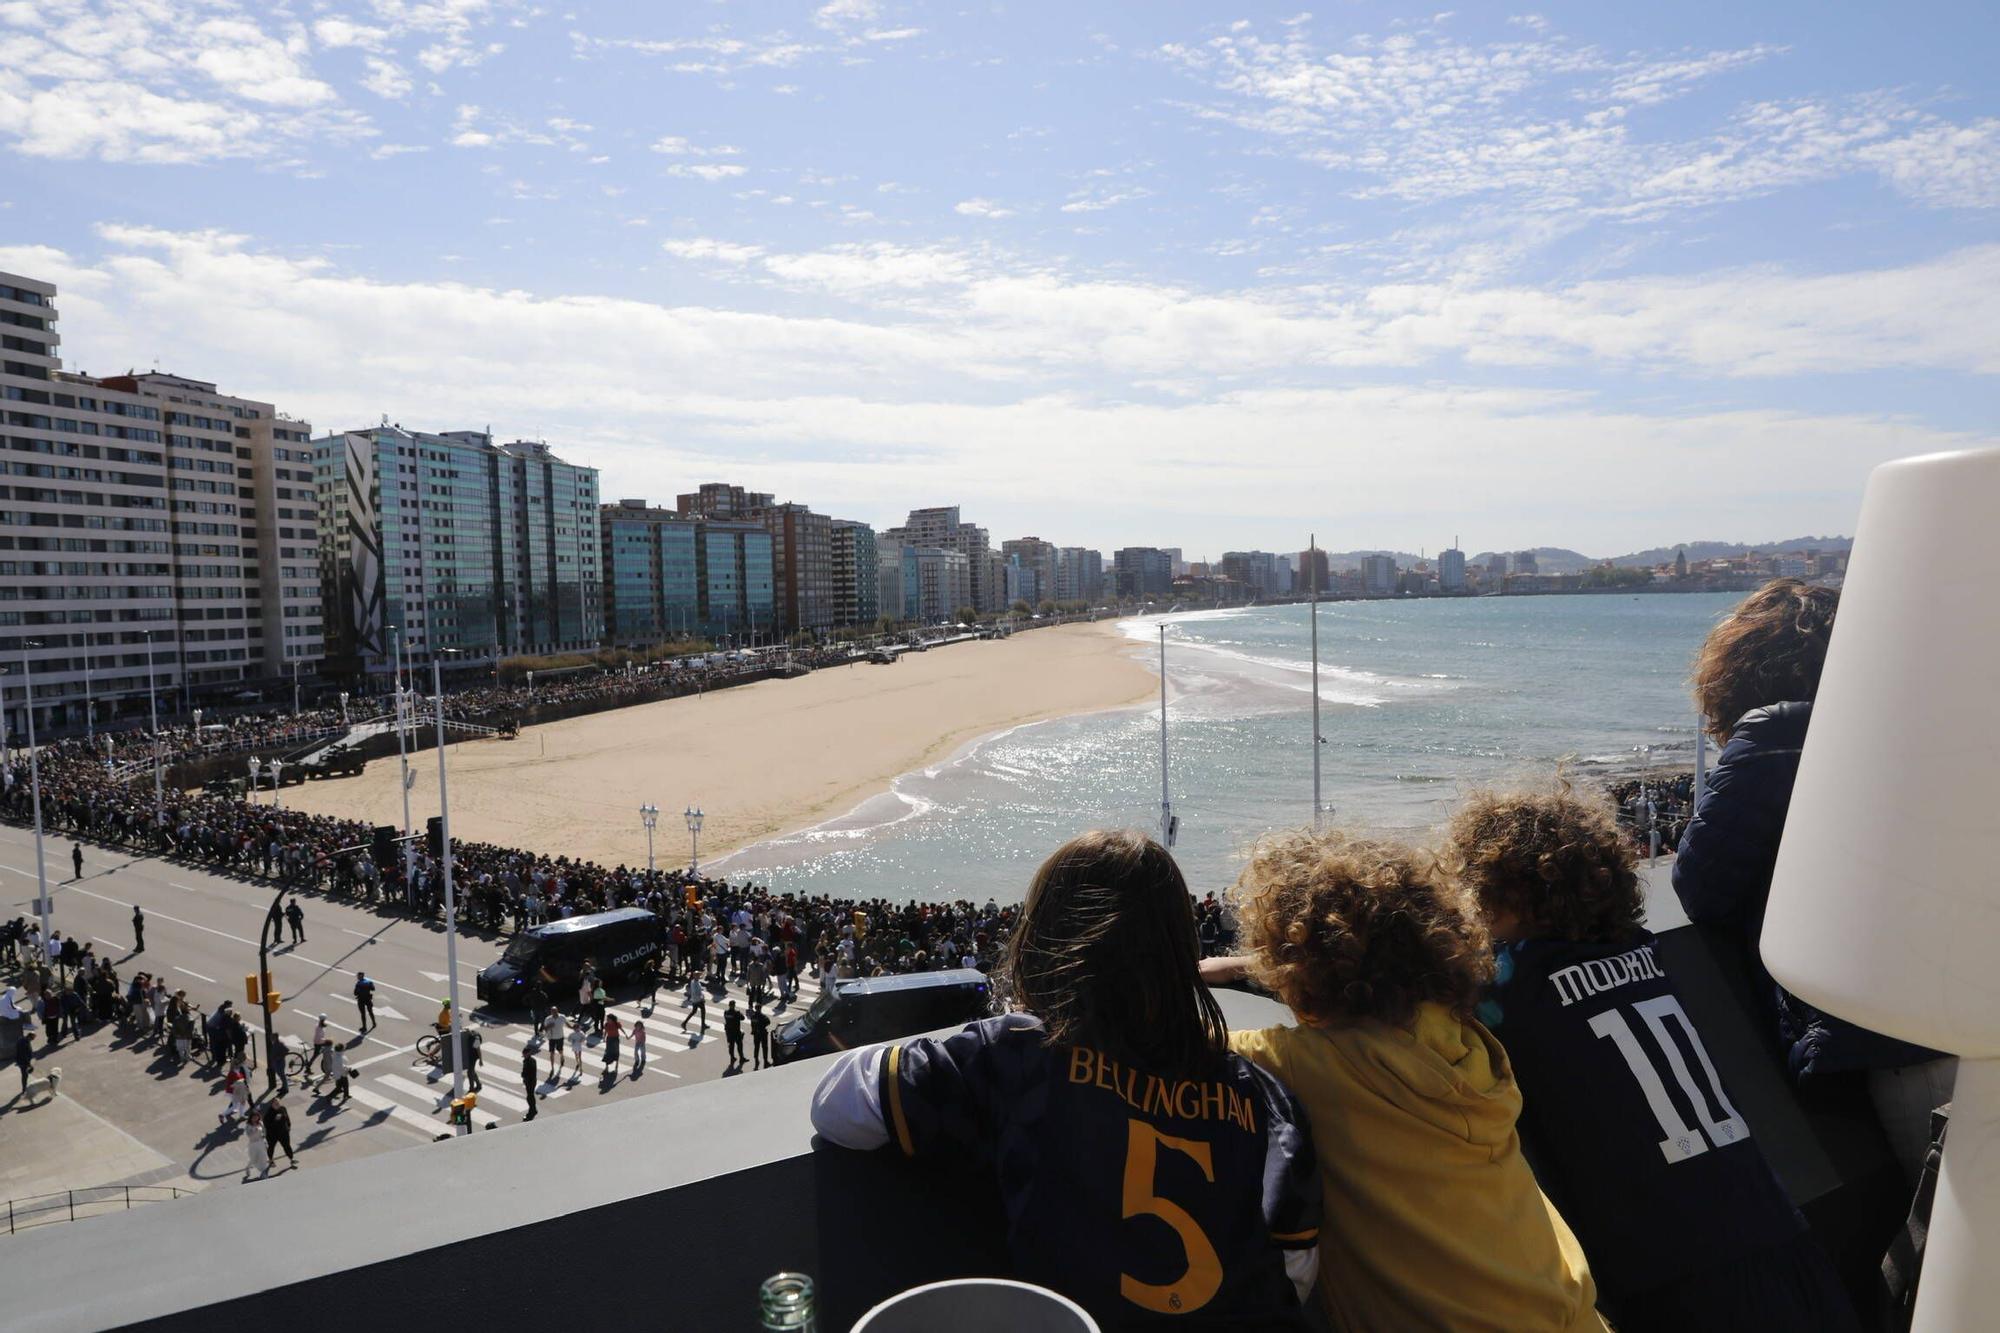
(185,888)
(362,933)
(196,975)
(396,1014)
(223,934)
(109,944)
(397,1111)
(432,976)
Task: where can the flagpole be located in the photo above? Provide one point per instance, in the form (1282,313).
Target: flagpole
(1166,802)
(1312,558)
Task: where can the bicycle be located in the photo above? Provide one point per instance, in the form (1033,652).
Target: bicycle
(430,1050)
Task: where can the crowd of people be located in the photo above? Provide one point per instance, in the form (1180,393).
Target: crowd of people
(1650,805)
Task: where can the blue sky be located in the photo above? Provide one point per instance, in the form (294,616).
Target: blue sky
(1593,276)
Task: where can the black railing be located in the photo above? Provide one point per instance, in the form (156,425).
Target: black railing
(40,1210)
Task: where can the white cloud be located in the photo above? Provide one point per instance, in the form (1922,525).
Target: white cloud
(1546,124)
(891,34)
(707,249)
(973,376)
(676,146)
(386,78)
(838,13)
(981,208)
(1086,202)
(335,33)
(708,171)
(149,82)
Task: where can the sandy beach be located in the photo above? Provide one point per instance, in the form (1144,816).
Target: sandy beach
(761,760)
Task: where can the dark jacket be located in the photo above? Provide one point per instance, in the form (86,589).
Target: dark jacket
(1723,877)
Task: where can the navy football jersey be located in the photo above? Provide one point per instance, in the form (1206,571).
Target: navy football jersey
(1632,1134)
(1144,1199)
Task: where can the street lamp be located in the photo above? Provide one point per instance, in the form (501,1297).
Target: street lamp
(450,897)
(153,710)
(43,906)
(89,704)
(649,815)
(693,816)
(295,687)
(256,767)
(276,766)
(343,708)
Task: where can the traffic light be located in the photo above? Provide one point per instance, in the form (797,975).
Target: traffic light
(382,845)
(272,1000)
(250,989)
(434,837)
(253,995)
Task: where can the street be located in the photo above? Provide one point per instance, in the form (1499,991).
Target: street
(201,935)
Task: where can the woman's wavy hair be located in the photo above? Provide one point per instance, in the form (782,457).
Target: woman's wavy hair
(1551,858)
(1105,954)
(1346,929)
(1769,650)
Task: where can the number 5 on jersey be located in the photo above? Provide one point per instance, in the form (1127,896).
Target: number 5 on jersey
(1679,1141)
(1197,1286)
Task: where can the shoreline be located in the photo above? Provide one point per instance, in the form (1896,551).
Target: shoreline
(767,761)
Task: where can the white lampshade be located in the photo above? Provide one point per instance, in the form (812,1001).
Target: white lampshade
(1885,906)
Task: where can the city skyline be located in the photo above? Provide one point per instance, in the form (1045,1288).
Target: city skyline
(1159,275)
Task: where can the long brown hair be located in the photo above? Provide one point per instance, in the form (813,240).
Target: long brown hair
(1105,955)
(1769,650)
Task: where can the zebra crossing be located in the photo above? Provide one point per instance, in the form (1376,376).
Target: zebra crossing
(417,1096)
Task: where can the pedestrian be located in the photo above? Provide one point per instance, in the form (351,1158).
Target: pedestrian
(552,1029)
(473,1055)
(760,1037)
(364,999)
(576,1050)
(278,1130)
(638,1047)
(732,1033)
(24,1056)
(295,917)
(586,987)
(599,998)
(322,1046)
(659,974)
(529,1073)
(612,1029)
(336,1069)
(76,858)
(257,1146)
(237,1084)
(697,998)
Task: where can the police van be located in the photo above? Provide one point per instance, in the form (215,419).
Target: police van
(544,960)
(861,1010)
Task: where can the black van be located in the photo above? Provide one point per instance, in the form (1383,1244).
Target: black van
(870,1009)
(549,958)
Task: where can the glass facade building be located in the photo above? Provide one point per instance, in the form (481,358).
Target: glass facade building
(649,575)
(856,574)
(462,545)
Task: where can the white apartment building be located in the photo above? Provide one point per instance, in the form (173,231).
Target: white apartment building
(129,534)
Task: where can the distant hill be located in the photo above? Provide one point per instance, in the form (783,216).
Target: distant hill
(1352,559)
(1660,555)
(1548,560)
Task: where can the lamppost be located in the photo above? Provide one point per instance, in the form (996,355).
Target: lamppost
(89,704)
(693,816)
(403,757)
(197,730)
(295,687)
(153,710)
(343,708)
(450,897)
(649,814)
(256,767)
(277,765)
(43,906)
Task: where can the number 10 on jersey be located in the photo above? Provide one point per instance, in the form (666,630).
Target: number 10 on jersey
(1679,1140)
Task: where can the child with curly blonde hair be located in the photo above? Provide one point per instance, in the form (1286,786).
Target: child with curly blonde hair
(1432,1216)
(1632,1132)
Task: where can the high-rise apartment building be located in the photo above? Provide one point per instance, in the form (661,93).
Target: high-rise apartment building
(1079,575)
(1312,564)
(941,527)
(897,589)
(801,549)
(944,583)
(1451,570)
(1524,562)
(1378,575)
(668,575)
(1038,561)
(856,574)
(1143,571)
(131,534)
(461,544)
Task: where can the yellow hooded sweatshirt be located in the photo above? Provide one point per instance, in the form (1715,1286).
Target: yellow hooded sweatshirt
(1433,1218)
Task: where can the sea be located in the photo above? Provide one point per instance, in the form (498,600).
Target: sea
(1421,701)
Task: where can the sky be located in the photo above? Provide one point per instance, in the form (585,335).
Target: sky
(1178,274)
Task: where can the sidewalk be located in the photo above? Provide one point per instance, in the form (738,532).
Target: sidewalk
(128,1114)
